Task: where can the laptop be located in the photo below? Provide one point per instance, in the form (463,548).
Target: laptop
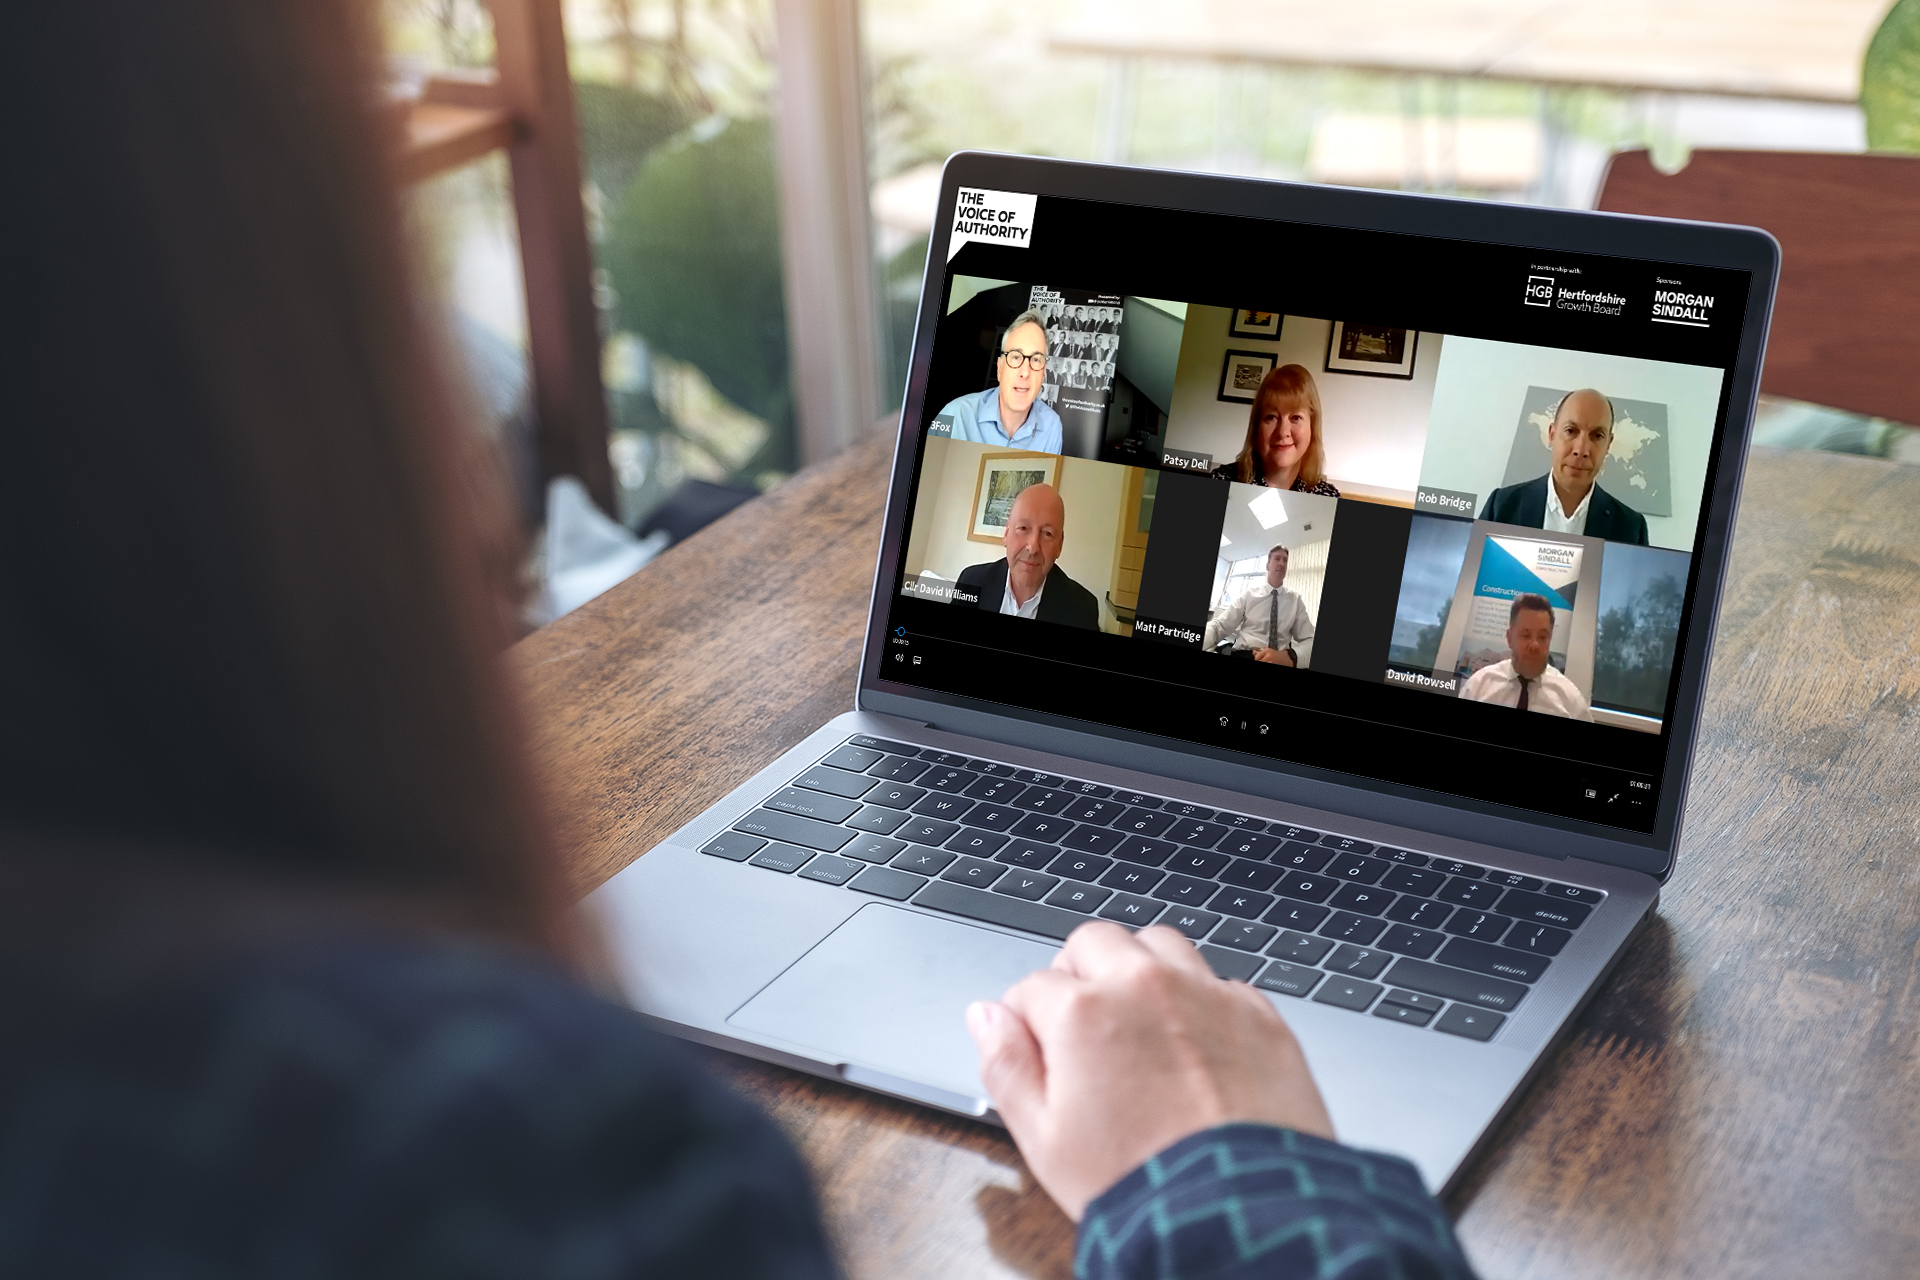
(1327,574)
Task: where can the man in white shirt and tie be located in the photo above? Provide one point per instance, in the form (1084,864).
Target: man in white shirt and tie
(1267,623)
(1527,681)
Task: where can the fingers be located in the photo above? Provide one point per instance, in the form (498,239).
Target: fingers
(1010,1062)
(1170,946)
(1096,947)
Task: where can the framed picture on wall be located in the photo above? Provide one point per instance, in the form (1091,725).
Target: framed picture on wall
(1371,350)
(1254,324)
(1002,477)
(1242,374)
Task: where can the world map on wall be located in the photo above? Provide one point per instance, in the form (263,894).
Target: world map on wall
(1636,470)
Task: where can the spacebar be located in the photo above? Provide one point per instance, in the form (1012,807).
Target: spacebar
(994,908)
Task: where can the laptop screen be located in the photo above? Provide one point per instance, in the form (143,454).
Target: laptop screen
(1411,509)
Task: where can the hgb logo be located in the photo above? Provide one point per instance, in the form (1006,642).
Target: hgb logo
(1539,291)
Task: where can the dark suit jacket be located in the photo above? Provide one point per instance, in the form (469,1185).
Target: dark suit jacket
(1526,505)
(1062,600)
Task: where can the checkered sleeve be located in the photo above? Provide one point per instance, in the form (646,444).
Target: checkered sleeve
(1248,1201)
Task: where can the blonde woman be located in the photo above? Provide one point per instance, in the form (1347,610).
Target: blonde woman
(1283,449)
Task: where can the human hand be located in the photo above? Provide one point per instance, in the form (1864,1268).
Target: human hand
(1279,657)
(1126,1045)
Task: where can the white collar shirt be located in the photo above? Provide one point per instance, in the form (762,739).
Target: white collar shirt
(1255,622)
(1552,694)
(1558,521)
(1009,605)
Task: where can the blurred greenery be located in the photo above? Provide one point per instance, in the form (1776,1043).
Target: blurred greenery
(618,127)
(692,251)
(1633,653)
(1890,81)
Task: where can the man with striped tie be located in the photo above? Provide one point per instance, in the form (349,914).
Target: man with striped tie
(1267,623)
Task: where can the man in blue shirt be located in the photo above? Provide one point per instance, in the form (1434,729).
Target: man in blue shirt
(1010,413)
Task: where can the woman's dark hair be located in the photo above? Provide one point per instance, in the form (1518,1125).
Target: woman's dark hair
(1288,387)
(248,608)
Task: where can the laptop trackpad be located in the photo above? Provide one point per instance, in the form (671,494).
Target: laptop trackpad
(885,996)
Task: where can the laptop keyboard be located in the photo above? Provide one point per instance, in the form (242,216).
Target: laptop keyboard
(1414,939)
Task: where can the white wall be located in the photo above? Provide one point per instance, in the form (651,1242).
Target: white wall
(1480,391)
(1375,427)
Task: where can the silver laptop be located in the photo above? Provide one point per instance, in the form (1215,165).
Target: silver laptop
(1328,575)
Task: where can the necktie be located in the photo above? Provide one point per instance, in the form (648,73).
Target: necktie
(1273,620)
(1524,682)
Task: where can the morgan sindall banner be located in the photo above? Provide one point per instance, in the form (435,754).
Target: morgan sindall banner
(1510,568)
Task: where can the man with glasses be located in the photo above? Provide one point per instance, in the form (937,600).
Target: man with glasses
(1010,413)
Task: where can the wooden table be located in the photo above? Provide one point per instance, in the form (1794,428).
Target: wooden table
(1741,1100)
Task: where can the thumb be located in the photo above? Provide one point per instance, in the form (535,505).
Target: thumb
(1010,1063)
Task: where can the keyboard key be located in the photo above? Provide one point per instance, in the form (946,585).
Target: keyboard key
(881,744)
(927,831)
(1514,880)
(1365,899)
(1148,853)
(1572,893)
(992,768)
(1501,962)
(1091,839)
(995,908)
(1181,809)
(944,757)
(1401,1013)
(813,804)
(1346,844)
(830,868)
(1080,866)
(1031,885)
(981,844)
(836,782)
(989,816)
(1243,935)
(1035,778)
(1195,924)
(1412,1000)
(1198,862)
(858,759)
(1474,1024)
(1137,800)
(733,846)
(948,780)
(1202,835)
(1305,887)
(1249,875)
(1413,880)
(1448,866)
(1240,822)
(896,769)
(1534,908)
(1098,812)
(1421,913)
(780,857)
(1132,877)
(1468,923)
(1302,857)
(1347,993)
(1045,799)
(1354,869)
(1405,857)
(805,832)
(896,795)
(1042,827)
(1234,966)
(977,872)
(1248,844)
(1357,962)
(1185,890)
(1287,979)
(877,820)
(1027,854)
(997,789)
(1131,908)
(920,858)
(1244,903)
(945,807)
(1456,984)
(874,849)
(1537,939)
(1078,897)
(1345,926)
(1298,948)
(1093,789)
(1409,941)
(1289,914)
(1142,822)
(1469,893)
(1305,835)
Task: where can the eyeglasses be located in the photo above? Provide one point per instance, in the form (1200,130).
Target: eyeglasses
(1015,358)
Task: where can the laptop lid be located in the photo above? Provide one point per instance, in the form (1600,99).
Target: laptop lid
(1305,491)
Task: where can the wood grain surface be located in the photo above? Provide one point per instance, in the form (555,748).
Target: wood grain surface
(1741,1099)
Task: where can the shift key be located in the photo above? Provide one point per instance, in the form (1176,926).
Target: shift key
(814,804)
(1455,984)
(795,829)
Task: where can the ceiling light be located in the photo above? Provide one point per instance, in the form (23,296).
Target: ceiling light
(1268,509)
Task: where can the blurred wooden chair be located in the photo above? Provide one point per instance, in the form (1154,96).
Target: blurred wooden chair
(1846,325)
